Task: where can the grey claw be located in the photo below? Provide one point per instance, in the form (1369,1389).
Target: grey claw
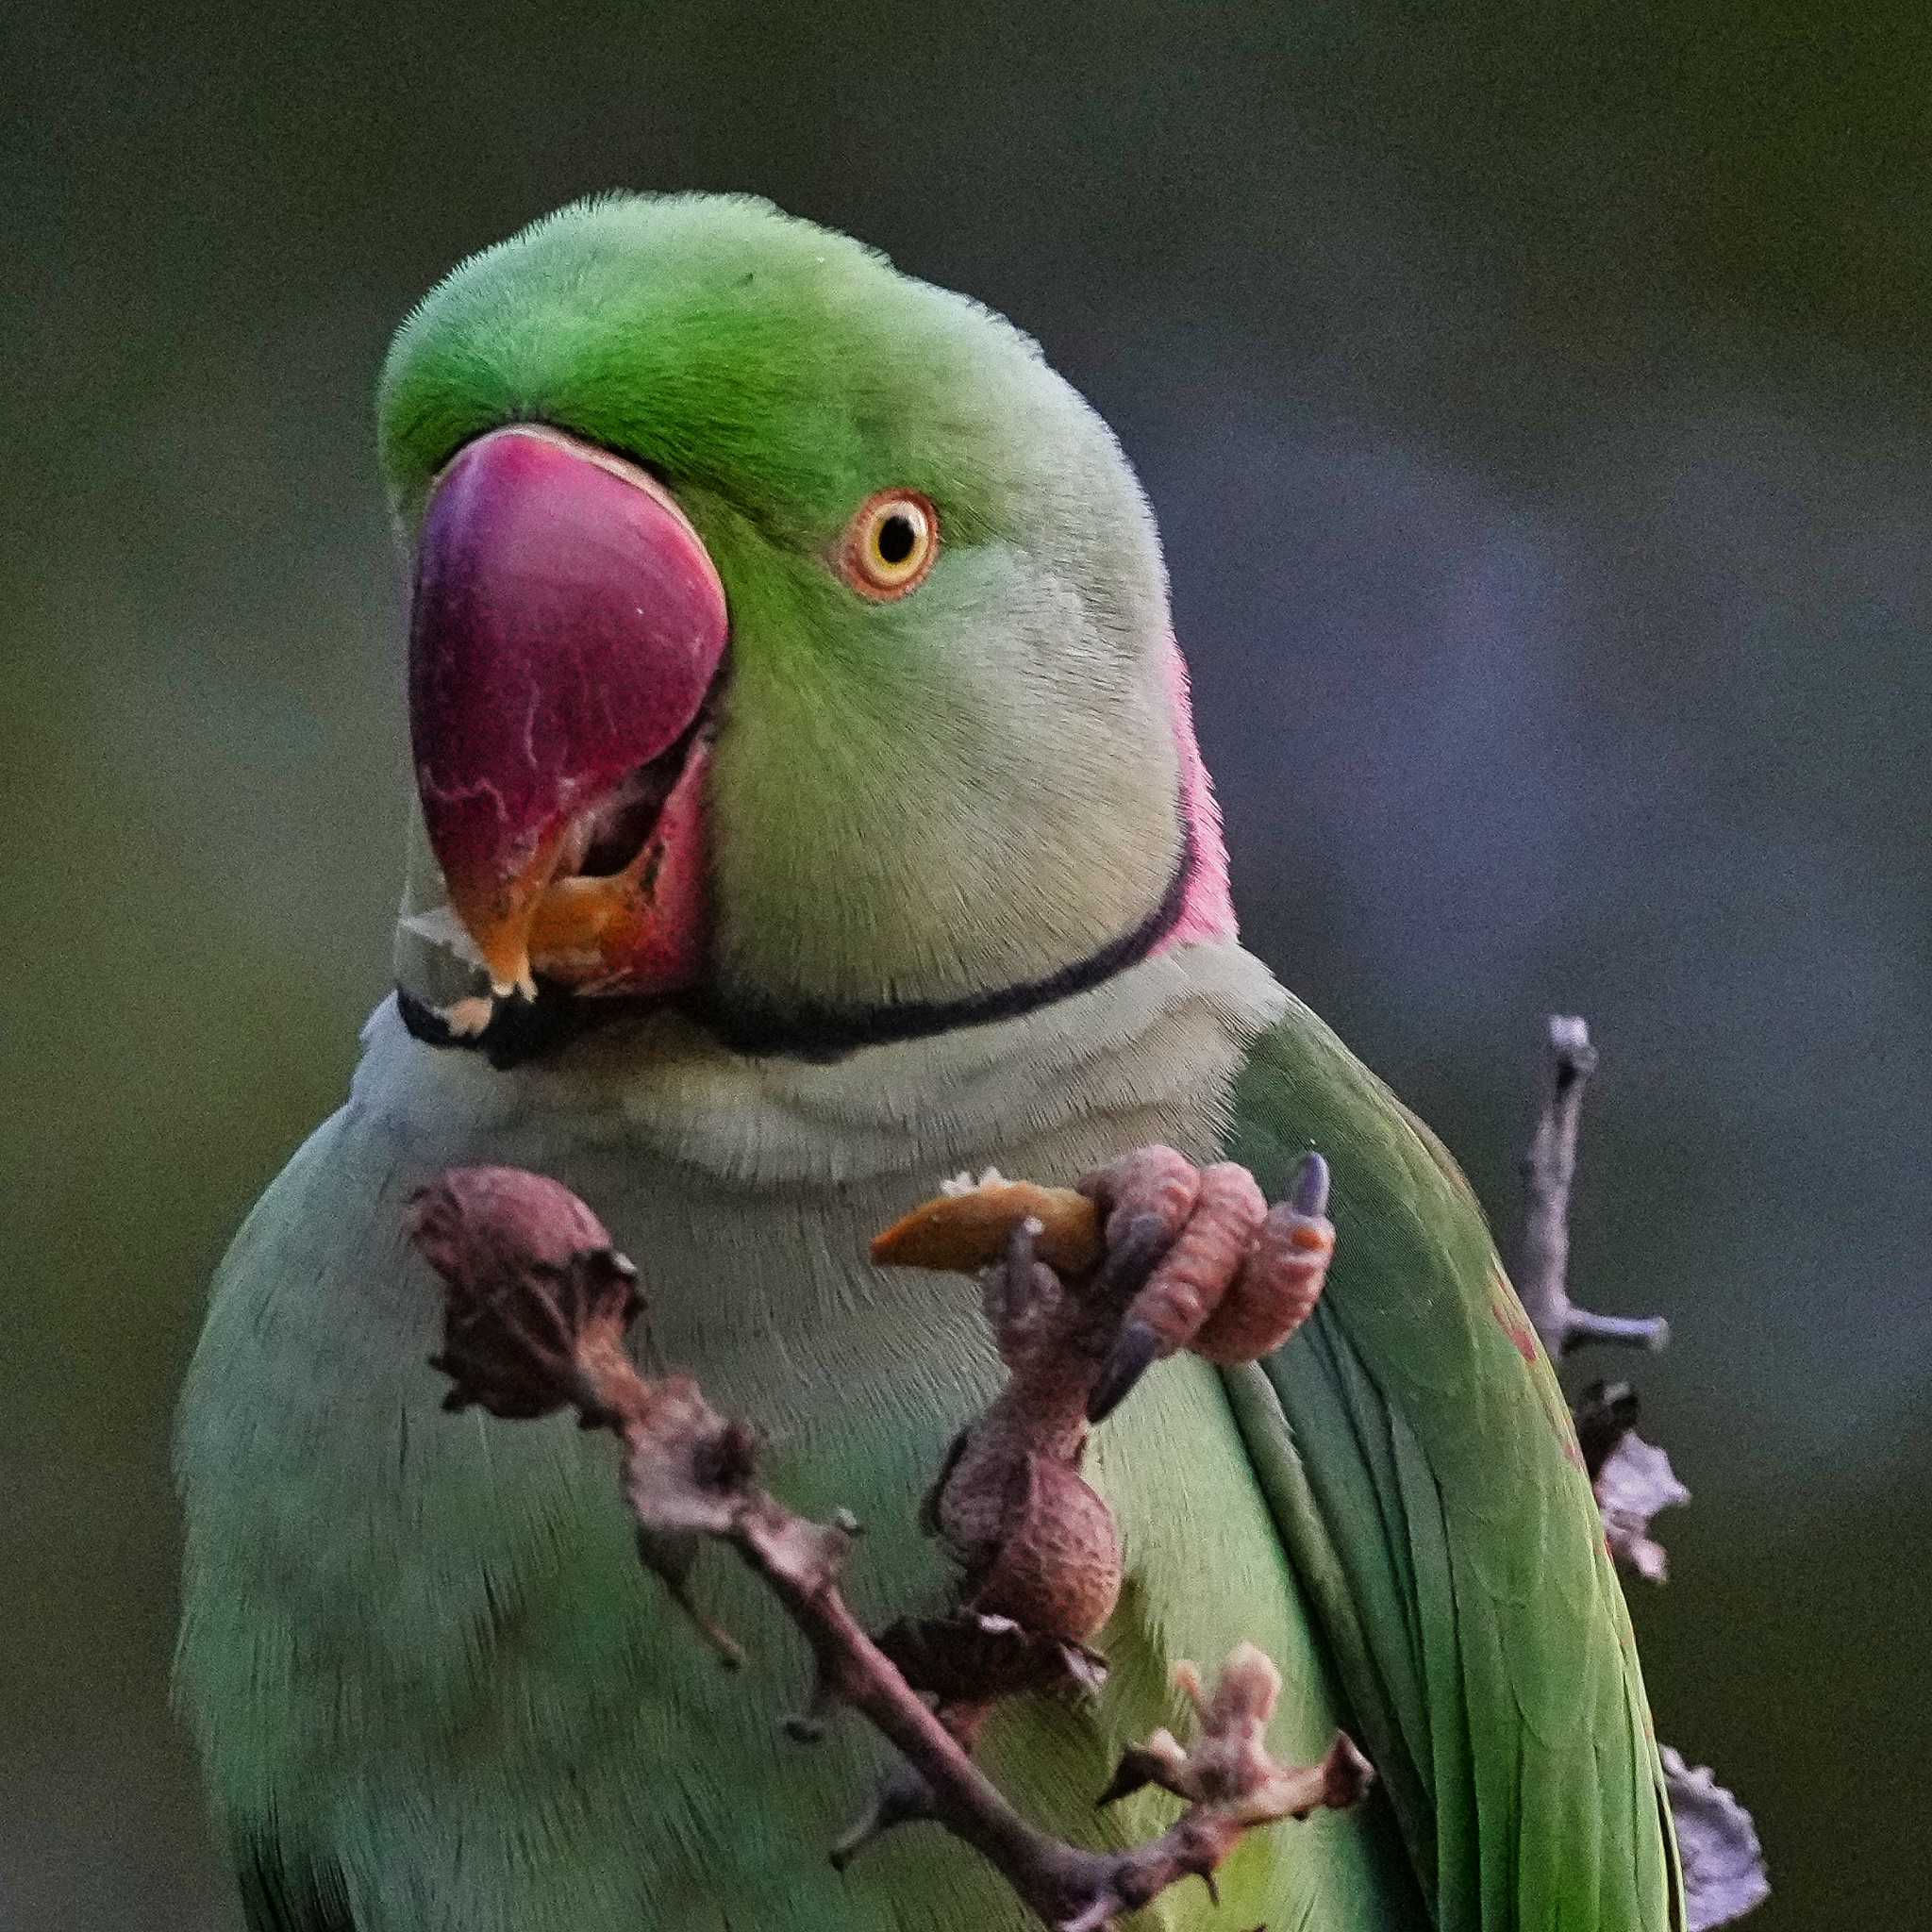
(1132,1256)
(1135,1350)
(1310,1194)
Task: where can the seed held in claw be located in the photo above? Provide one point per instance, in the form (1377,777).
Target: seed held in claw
(963,1232)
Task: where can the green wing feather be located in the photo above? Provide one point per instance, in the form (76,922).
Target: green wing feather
(1420,1463)
(281,1893)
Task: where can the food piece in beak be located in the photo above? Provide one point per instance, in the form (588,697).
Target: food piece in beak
(567,627)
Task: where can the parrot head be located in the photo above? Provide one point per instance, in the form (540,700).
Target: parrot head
(787,639)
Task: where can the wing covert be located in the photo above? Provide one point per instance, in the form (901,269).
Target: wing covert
(1424,1475)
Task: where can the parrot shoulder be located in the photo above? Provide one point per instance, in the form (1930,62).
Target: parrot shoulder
(1418,1459)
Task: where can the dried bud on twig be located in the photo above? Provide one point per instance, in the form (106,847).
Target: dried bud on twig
(1634,1483)
(1633,1479)
(1724,1863)
(539,1297)
(536,1303)
(1228,1765)
(1605,1413)
(1229,1780)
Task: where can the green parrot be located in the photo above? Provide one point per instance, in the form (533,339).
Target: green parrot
(809,809)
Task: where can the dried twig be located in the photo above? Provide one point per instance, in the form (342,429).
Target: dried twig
(1548,1169)
(1723,1864)
(537,1304)
(1632,1479)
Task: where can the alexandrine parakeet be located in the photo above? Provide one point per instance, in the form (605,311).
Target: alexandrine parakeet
(809,809)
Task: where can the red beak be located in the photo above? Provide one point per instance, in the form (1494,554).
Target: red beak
(567,626)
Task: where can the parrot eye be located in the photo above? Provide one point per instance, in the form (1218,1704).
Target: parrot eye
(889,544)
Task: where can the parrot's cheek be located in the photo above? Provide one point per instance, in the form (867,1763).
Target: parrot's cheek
(568,633)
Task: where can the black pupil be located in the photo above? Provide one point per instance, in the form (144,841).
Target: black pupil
(896,538)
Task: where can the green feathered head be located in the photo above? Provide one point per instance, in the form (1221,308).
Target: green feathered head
(786,636)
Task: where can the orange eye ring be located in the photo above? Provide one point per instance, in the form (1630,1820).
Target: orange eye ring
(889,544)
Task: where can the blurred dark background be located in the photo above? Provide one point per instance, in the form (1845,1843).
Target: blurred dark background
(1535,400)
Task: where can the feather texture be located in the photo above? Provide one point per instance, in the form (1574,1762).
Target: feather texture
(420,1647)
(1424,1475)
(431,1685)
(432,1691)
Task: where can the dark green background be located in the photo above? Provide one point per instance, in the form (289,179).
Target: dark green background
(1535,399)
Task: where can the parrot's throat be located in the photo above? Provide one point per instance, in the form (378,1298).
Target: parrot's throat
(519,1030)
(825,1032)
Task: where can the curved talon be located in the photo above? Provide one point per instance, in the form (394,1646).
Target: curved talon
(1020,1244)
(1010,1287)
(1310,1194)
(1135,1351)
(1134,1249)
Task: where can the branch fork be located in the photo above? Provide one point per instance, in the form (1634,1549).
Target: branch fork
(1549,1169)
(1148,1256)
(1632,1479)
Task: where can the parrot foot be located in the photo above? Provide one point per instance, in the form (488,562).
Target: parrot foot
(1157,1255)
(1233,1277)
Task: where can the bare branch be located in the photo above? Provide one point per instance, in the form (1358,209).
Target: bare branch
(1632,1479)
(536,1303)
(1548,1170)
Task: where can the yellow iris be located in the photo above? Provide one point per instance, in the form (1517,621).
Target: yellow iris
(890,543)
